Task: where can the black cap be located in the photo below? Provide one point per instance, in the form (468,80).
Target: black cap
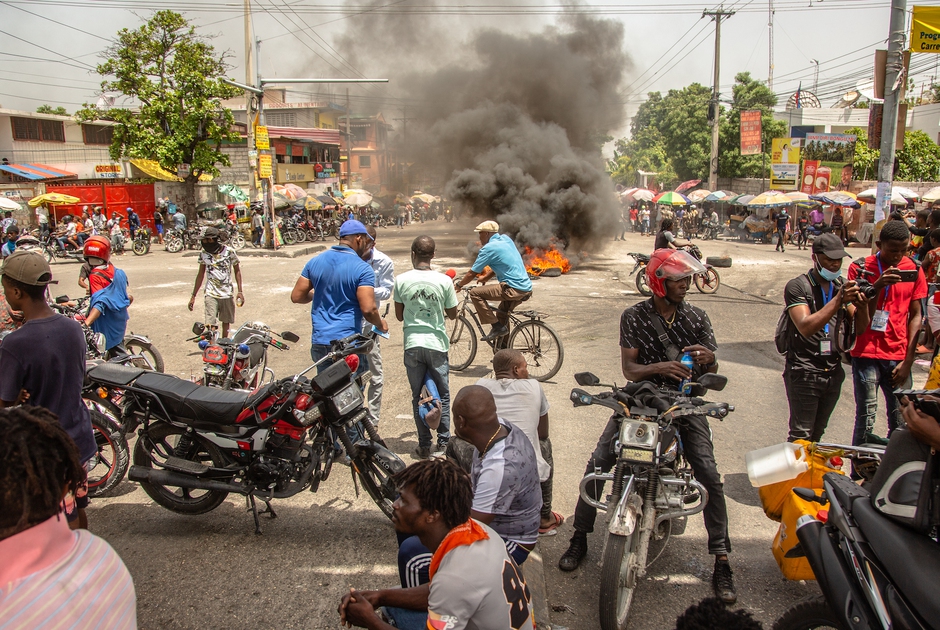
(829,245)
(211,232)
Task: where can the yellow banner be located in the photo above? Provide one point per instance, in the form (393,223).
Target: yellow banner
(262,142)
(925,30)
(264,166)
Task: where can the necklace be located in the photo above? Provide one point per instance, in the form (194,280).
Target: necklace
(490,443)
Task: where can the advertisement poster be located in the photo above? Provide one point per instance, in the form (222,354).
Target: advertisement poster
(785,164)
(835,153)
(262,142)
(264,166)
(808,184)
(925,30)
(750,132)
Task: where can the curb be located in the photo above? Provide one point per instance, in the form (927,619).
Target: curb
(283,252)
(534,572)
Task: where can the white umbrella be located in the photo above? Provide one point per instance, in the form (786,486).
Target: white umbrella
(869,196)
(932,195)
(8,204)
(643,195)
(907,193)
(359,199)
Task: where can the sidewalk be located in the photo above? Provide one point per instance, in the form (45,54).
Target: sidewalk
(284,251)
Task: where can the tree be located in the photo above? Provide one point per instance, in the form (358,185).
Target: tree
(748,94)
(49,109)
(917,161)
(174,79)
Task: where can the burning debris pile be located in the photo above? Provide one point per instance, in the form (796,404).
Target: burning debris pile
(548,262)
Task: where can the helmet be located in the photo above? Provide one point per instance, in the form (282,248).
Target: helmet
(670,264)
(98,247)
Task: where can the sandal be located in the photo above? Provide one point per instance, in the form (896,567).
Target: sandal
(552,529)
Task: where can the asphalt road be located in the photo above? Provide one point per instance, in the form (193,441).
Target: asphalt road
(212,571)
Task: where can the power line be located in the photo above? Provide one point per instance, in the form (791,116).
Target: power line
(74,28)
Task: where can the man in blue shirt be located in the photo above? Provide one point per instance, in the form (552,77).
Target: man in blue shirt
(384,282)
(499,253)
(341,287)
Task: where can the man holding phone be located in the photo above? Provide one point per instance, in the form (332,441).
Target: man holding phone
(818,303)
(884,352)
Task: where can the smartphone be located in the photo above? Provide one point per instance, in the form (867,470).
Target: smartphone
(378,332)
(907,275)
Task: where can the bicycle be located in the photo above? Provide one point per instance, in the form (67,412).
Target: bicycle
(535,339)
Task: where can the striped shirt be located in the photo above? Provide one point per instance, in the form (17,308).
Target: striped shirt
(52,577)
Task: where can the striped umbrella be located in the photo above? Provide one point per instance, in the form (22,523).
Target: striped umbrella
(740,200)
(670,198)
(770,199)
(721,195)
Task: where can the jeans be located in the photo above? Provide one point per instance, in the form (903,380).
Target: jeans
(545,446)
(405,619)
(418,362)
(645,226)
(699,451)
(812,397)
(868,375)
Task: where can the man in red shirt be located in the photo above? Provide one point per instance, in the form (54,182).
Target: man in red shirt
(884,352)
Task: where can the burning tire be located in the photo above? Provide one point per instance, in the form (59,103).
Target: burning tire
(718,261)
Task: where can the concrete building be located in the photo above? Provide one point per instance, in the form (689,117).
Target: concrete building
(369,150)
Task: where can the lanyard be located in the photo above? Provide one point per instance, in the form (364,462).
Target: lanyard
(880,272)
(826,298)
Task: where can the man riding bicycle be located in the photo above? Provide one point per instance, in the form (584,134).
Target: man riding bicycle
(499,253)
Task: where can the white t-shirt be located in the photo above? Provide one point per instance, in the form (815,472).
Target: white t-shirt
(521,402)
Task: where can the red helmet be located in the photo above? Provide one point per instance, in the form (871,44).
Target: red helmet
(670,264)
(98,247)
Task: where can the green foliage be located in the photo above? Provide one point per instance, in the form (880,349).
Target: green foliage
(49,109)
(917,161)
(173,79)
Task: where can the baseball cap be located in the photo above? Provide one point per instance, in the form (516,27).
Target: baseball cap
(211,232)
(353,227)
(487,226)
(829,245)
(28,267)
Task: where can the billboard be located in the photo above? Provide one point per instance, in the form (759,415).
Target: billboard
(925,30)
(785,163)
(831,157)
(751,132)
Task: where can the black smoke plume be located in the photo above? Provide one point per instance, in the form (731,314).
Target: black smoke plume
(513,122)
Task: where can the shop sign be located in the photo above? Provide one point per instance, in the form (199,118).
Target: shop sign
(262,142)
(750,132)
(295,173)
(108,171)
(183,170)
(327,170)
(264,166)
(925,30)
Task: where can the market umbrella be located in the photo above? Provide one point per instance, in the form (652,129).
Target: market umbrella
(359,199)
(721,195)
(53,198)
(326,200)
(355,191)
(699,195)
(689,185)
(741,200)
(868,196)
(642,194)
(311,203)
(837,198)
(211,205)
(425,198)
(671,198)
(233,191)
(770,199)
(627,192)
(8,204)
(932,195)
(281,201)
(907,193)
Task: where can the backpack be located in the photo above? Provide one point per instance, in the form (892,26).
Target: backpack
(782,334)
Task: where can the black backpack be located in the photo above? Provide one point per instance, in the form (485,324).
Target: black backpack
(785,329)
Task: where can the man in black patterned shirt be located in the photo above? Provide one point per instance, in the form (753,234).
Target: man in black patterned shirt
(645,358)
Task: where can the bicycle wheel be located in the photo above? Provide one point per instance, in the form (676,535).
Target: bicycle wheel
(541,347)
(708,282)
(463,344)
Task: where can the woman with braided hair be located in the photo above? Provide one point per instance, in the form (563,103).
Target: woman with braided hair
(49,572)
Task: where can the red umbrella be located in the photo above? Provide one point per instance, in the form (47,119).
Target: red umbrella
(689,185)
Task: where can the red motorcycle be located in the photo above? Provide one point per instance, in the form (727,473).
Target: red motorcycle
(197,444)
(239,361)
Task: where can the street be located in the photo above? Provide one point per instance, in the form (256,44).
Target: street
(212,571)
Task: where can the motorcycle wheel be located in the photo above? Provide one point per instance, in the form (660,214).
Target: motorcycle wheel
(174,245)
(48,255)
(463,345)
(618,581)
(237,242)
(141,247)
(808,614)
(290,236)
(154,360)
(708,282)
(111,459)
(377,483)
(641,284)
(161,442)
(300,235)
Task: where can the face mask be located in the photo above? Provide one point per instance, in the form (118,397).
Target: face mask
(212,246)
(828,275)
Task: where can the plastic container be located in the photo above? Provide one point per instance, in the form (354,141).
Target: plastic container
(776,463)
(685,386)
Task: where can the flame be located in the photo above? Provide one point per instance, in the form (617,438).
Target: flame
(538,260)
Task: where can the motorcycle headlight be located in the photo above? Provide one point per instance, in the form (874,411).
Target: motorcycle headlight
(639,434)
(347,399)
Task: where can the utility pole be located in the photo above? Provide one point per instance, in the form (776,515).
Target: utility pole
(249,79)
(404,151)
(713,107)
(894,84)
(815,76)
(348,146)
(770,44)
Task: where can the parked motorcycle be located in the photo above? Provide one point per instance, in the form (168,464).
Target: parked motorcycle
(641,261)
(141,244)
(239,362)
(652,485)
(197,444)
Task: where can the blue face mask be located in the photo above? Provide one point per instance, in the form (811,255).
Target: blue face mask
(826,274)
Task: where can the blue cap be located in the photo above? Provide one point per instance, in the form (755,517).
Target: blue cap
(353,227)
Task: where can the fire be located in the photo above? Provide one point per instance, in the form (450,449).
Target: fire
(537,261)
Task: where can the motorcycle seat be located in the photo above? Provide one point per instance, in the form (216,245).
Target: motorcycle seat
(911,559)
(113,373)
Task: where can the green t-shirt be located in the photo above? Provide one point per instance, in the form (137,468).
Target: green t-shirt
(425,294)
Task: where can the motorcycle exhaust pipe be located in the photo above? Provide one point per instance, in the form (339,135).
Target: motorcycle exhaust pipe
(170,478)
(835,578)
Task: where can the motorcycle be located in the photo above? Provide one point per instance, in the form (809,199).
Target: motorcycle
(652,484)
(641,261)
(707,282)
(197,444)
(52,250)
(710,230)
(141,243)
(239,362)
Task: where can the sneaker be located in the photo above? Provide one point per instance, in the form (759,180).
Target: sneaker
(422,452)
(570,560)
(498,331)
(723,582)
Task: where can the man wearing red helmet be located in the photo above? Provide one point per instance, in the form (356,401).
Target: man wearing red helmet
(97,272)
(645,356)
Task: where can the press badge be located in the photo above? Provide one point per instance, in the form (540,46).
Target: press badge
(825,347)
(879,321)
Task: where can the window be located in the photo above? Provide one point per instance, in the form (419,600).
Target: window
(365,161)
(281,119)
(98,134)
(38,129)
(360,133)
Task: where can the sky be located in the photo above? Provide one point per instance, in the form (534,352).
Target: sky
(48,48)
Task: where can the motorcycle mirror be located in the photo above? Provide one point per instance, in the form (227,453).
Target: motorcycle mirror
(587,379)
(579,397)
(62,299)
(101,344)
(714,382)
(199,328)
(289,336)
